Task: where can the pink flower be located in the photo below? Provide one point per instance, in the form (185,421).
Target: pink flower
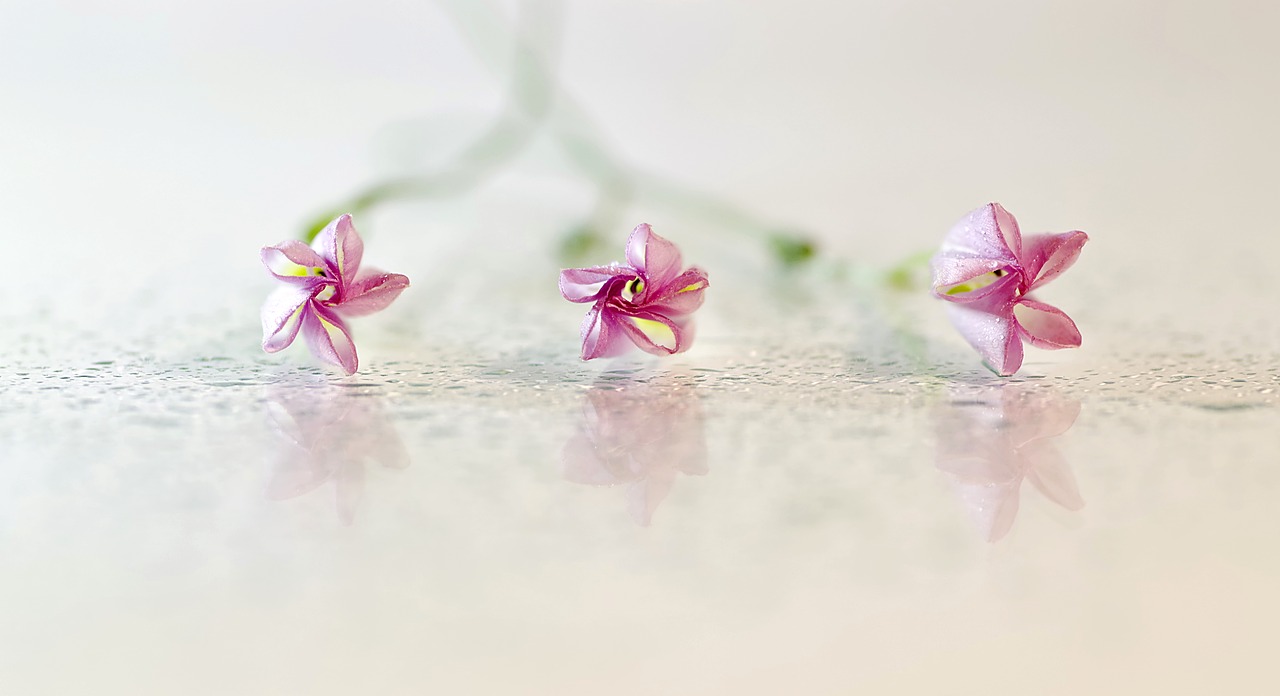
(641,437)
(323,285)
(648,302)
(990,445)
(987,273)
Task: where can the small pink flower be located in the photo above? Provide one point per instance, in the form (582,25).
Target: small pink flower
(987,273)
(323,285)
(648,302)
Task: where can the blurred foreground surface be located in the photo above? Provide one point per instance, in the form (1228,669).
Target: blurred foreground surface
(807,502)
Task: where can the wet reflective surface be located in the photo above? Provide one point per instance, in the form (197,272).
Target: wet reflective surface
(822,508)
(642,437)
(992,441)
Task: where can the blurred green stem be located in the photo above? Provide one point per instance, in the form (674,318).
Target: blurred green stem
(533,90)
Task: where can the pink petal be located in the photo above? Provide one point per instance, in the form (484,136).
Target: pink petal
(655,257)
(340,245)
(951,270)
(590,284)
(372,292)
(993,335)
(293,262)
(1045,326)
(602,337)
(994,297)
(989,233)
(329,340)
(681,296)
(282,315)
(654,333)
(1048,255)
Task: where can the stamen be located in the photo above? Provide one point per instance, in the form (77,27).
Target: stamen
(633,288)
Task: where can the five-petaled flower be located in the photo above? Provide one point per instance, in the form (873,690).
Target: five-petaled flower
(647,301)
(986,272)
(323,285)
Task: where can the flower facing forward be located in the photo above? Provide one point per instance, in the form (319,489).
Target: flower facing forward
(986,272)
(646,302)
(323,286)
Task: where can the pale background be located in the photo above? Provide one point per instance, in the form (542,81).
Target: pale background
(148,149)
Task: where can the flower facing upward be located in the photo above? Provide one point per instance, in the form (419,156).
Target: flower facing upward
(647,302)
(986,272)
(323,285)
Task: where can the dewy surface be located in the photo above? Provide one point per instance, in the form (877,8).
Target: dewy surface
(820,494)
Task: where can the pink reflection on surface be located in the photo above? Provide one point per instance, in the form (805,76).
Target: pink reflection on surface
(988,445)
(329,433)
(642,437)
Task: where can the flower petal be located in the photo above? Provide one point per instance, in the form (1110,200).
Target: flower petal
(951,270)
(993,297)
(371,292)
(988,233)
(681,296)
(293,262)
(282,315)
(1048,255)
(1045,326)
(602,337)
(655,333)
(657,259)
(329,340)
(994,335)
(340,245)
(590,284)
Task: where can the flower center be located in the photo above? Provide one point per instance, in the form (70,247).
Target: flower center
(632,288)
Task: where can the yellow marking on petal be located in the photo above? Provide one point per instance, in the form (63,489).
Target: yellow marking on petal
(693,286)
(977,283)
(656,331)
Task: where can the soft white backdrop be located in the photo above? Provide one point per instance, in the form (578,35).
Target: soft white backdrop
(143,138)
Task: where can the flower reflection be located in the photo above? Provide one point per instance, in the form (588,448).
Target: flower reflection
(990,444)
(329,434)
(639,436)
